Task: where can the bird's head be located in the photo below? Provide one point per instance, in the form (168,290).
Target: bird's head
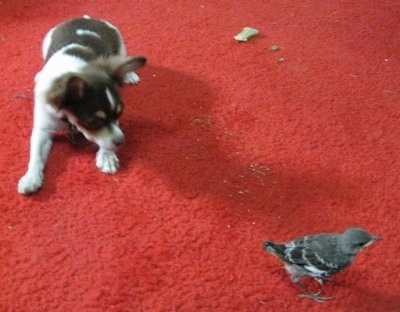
(354,240)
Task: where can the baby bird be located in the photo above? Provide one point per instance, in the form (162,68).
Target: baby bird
(320,256)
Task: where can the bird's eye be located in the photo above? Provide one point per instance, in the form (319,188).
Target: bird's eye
(360,245)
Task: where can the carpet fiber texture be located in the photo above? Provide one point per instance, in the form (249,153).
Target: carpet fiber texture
(228,144)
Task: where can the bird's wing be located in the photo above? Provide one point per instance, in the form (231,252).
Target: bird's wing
(294,252)
(315,254)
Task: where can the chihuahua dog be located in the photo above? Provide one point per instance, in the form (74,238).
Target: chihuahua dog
(78,87)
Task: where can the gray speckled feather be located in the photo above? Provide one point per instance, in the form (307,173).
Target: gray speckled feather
(318,253)
(320,256)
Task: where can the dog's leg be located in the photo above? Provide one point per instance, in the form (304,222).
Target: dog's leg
(107,161)
(41,141)
(131,78)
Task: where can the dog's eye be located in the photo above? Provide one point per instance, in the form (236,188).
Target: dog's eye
(93,123)
(120,108)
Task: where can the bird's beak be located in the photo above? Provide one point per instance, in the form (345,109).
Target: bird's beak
(376,238)
(373,240)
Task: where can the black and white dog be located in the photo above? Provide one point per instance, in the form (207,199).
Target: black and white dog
(85,65)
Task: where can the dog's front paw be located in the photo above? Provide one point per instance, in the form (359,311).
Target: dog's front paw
(30,183)
(131,78)
(107,161)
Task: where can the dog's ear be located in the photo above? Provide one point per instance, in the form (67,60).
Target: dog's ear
(75,90)
(66,90)
(117,66)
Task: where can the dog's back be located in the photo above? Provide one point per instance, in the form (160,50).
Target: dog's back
(83,37)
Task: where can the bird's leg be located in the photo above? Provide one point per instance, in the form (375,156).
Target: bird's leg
(306,291)
(321,280)
(308,294)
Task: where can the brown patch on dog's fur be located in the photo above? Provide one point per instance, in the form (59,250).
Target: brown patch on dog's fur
(119,109)
(117,66)
(101,114)
(55,95)
(114,67)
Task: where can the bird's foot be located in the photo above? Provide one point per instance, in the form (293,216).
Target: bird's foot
(322,280)
(319,281)
(315,296)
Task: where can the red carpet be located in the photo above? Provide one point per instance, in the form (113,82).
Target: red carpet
(226,147)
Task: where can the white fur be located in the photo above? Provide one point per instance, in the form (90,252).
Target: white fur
(81,32)
(47,120)
(131,78)
(111,99)
(107,161)
(46,43)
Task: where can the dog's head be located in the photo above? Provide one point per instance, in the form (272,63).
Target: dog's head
(91,100)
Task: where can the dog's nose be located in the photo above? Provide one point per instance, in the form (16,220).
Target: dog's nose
(117,136)
(118,141)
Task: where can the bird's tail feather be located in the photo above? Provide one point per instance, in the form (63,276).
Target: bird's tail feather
(275,249)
